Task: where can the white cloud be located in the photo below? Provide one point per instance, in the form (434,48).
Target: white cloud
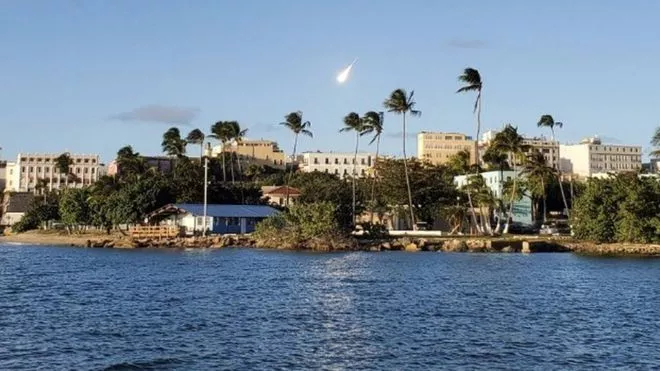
(154,113)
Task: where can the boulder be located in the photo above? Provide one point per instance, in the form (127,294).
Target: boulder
(411,247)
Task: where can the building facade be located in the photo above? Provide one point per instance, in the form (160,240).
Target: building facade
(340,164)
(3,175)
(259,152)
(280,195)
(655,166)
(438,148)
(162,164)
(591,157)
(32,170)
(548,147)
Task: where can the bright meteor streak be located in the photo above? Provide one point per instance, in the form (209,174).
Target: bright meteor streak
(343,75)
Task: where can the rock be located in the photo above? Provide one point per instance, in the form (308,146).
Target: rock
(455,245)
(386,246)
(374,248)
(411,247)
(507,249)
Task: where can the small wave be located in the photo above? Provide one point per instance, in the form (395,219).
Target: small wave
(154,364)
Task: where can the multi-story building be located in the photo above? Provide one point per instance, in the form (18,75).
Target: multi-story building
(437,147)
(591,157)
(32,169)
(549,148)
(340,164)
(260,152)
(3,175)
(162,164)
(655,165)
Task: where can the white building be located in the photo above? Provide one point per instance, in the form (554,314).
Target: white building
(24,174)
(655,165)
(340,164)
(591,157)
(3,175)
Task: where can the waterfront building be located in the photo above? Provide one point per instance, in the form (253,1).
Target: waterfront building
(278,195)
(591,156)
(338,163)
(162,164)
(522,209)
(258,152)
(3,175)
(220,219)
(32,170)
(548,147)
(437,147)
(655,165)
(14,206)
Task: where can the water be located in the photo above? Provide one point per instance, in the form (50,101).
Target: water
(95,309)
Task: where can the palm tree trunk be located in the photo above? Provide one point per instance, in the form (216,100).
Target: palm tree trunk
(240,168)
(476,150)
(224,171)
(357,144)
(201,151)
(231,166)
(373,183)
(288,178)
(545,205)
(405,168)
(472,213)
(513,197)
(561,186)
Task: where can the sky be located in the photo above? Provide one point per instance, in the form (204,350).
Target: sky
(93,76)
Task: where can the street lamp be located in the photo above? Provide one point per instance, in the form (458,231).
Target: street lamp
(207,154)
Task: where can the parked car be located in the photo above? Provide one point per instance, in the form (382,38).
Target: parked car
(555,228)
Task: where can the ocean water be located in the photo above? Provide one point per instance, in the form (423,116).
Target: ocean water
(243,309)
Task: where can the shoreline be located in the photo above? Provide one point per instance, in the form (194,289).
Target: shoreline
(513,244)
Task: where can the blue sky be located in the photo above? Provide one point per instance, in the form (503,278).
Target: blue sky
(73,72)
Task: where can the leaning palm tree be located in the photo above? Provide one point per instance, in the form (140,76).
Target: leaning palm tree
(294,122)
(538,174)
(196,136)
(509,141)
(459,164)
(472,80)
(353,122)
(222,131)
(373,122)
(172,143)
(401,103)
(549,122)
(63,164)
(655,141)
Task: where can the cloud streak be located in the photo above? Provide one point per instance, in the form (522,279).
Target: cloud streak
(398,135)
(154,113)
(467,44)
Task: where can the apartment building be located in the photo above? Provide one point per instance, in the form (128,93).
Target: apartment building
(655,165)
(549,148)
(163,164)
(438,147)
(591,156)
(260,152)
(3,175)
(340,164)
(30,168)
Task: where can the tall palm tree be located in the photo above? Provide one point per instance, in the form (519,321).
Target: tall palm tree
(237,135)
(63,164)
(401,103)
(549,122)
(294,122)
(353,122)
(223,132)
(538,174)
(196,136)
(172,143)
(655,141)
(509,141)
(472,80)
(459,164)
(373,122)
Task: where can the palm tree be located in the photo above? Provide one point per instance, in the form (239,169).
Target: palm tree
(459,164)
(222,131)
(655,141)
(196,136)
(401,103)
(172,143)
(353,122)
(294,122)
(472,80)
(483,198)
(63,164)
(509,141)
(373,122)
(549,122)
(237,136)
(538,173)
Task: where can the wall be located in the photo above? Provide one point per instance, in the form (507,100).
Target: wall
(438,147)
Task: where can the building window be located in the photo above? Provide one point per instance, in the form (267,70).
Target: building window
(77,170)
(362,161)
(316,161)
(336,171)
(93,170)
(336,161)
(345,161)
(327,161)
(31,169)
(38,169)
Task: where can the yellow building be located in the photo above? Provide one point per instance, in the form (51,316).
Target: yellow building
(437,148)
(260,152)
(548,147)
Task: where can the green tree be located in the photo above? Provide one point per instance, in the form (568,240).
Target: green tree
(74,208)
(294,122)
(223,131)
(459,164)
(472,80)
(373,124)
(353,122)
(196,136)
(322,187)
(172,143)
(402,104)
(130,164)
(655,141)
(548,121)
(510,142)
(237,135)
(63,164)
(538,174)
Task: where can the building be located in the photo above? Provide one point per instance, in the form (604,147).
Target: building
(259,152)
(3,175)
(522,209)
(221,219)
(438,148)
(14,206)
(340,164)
(548,147)
(591,157)
(278,195)
(163,164)
(655,165)
(33,169)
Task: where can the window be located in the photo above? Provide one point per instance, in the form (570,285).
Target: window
(31,169)
(345,161)
(93,170)
(86,170)
(326,171)
(77,170)
(362,162)
(336,171)
(38,169)
(46,170)
(316,161)
(336,161)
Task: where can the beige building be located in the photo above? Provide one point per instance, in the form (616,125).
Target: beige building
(280,195)
(340,164)
(591,157)
(549,148)
(260,152)
(24,174)
(437,147)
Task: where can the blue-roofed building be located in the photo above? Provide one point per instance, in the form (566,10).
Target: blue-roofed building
(220,219)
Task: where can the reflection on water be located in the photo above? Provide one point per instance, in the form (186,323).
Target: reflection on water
(66,308)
